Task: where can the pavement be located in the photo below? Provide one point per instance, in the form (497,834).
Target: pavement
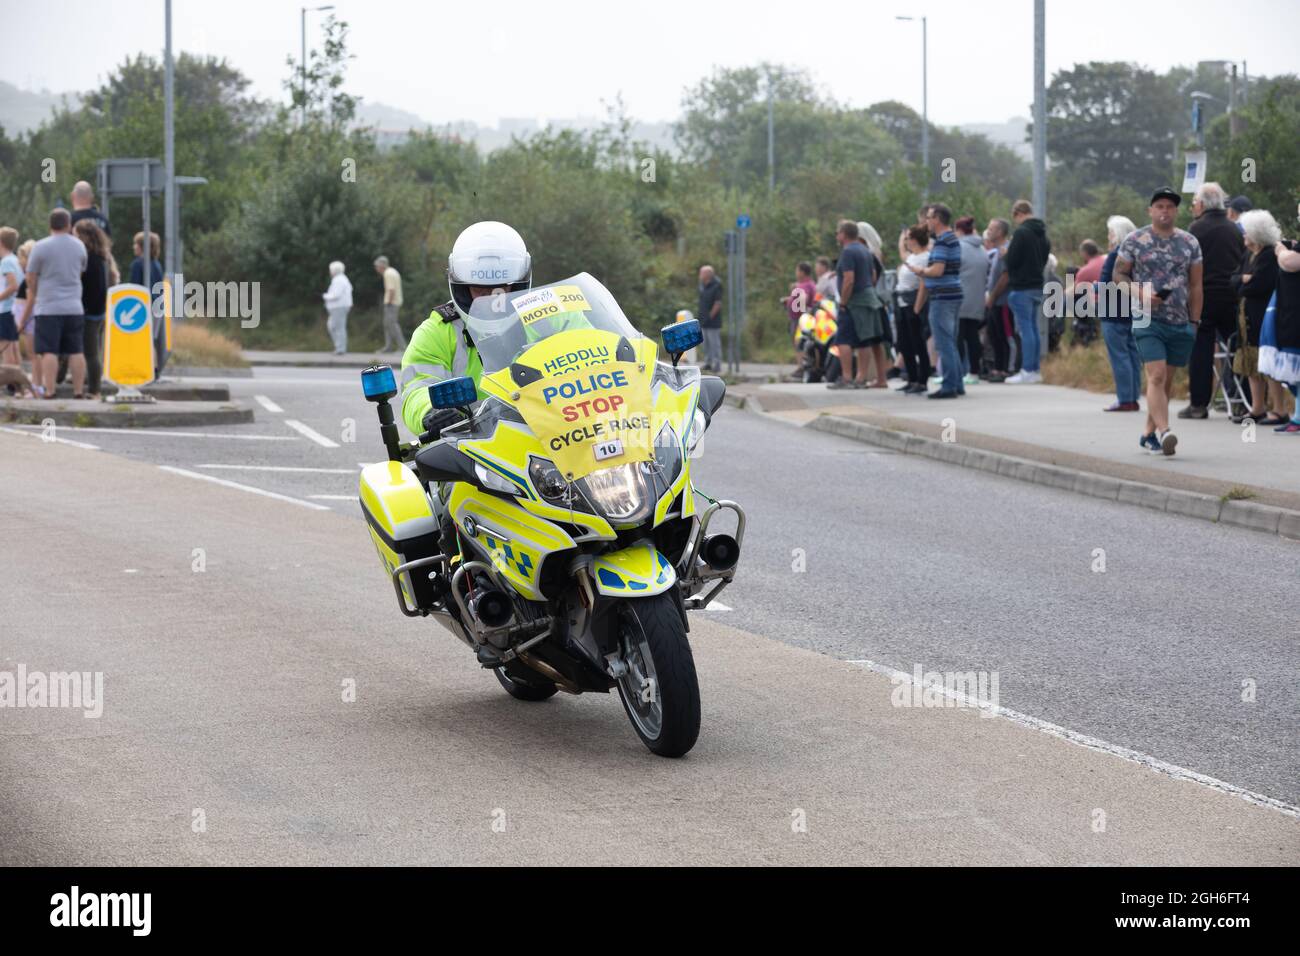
(747,371)
(1065,427)
(92,413)
(1147,711)
(168,389)
(256,357)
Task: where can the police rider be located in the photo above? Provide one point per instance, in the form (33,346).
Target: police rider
(487,257)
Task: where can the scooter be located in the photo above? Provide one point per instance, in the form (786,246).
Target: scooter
(556,530)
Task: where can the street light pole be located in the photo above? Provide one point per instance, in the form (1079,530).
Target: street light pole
(925,99)
(1040,110)
(171,205)
(169,150)
(925,102)
(771,139)
(303,62)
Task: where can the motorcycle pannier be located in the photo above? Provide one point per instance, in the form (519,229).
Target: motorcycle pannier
(402,524)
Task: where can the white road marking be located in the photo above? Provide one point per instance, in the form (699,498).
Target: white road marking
(249,488)
(60,441)
(1095,743)
(317,471)
(713,605)
(333,497)
(240,380)
(168,433)
(269,405)
(311,433)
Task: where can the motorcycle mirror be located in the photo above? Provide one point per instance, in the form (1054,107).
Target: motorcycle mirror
(680,337)
(378,384)
(453,393)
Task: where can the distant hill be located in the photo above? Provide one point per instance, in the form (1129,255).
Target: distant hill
(22,111)
(388,118)
(393,125)
(1010,134)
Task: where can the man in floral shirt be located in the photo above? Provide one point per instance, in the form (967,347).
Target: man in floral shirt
(1160,267)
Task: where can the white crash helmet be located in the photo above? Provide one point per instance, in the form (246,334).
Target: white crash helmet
(487,254)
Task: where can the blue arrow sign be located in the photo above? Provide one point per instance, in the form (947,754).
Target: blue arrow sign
(742,221)
(129,315)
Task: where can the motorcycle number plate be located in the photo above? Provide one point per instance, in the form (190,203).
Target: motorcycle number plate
(608,449)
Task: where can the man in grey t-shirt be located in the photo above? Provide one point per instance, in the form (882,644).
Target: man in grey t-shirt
(54,271)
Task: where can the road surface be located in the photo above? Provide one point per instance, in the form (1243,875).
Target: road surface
(230,625)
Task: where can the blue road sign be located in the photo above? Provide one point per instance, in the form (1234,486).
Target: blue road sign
(129,315)
(742,221)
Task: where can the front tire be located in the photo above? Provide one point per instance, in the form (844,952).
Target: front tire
(660,690)
(833,370)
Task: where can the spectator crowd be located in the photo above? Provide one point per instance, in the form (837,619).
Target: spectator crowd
(965,307)
(53,294)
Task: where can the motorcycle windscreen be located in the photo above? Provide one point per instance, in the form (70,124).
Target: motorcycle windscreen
(589,409)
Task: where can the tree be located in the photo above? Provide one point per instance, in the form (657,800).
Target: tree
(724,122)
(216,123)
(1263,162)
(1113,123)
(970,156)
(316,89)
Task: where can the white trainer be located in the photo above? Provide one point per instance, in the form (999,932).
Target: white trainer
(1025,378)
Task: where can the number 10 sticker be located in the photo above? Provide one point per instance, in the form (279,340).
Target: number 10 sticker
(609,449)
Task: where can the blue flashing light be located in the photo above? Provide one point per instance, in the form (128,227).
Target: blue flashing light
(453,393)
(378,383)
(681,336)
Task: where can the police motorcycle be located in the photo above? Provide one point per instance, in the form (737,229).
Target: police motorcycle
(813,335)
(555,530)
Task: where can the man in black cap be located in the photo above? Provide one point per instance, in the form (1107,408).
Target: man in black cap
(1236,206)
(1159,266)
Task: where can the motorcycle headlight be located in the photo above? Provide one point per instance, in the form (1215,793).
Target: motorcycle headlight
(696,432)
(493,482)
(619,493)
(668,456)
(548,481)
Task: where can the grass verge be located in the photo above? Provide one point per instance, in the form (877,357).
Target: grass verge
(195,344)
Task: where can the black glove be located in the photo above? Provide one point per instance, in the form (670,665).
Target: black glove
(437,419)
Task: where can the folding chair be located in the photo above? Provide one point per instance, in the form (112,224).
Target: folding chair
(1229,394)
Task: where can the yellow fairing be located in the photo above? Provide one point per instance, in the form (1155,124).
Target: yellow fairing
(515,540)
(638,571)
(678,410)
(518,534)
(508,453)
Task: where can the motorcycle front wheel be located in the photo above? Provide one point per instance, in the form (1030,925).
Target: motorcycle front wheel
(659,689)
(833,370)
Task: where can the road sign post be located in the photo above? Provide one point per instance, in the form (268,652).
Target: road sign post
(736,280)
(128,342)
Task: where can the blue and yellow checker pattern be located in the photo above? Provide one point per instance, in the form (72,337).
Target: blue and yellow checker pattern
(511,554)
(638,571)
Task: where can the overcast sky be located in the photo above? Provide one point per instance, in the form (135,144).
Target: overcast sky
(563,58)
